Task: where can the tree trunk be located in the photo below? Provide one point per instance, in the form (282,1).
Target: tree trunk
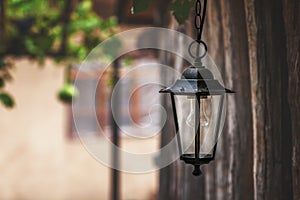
(292,18)
(232,170)
(271,115)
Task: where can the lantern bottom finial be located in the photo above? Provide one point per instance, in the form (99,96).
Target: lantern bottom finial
(197,171)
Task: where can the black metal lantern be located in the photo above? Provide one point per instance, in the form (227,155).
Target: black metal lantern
(198,104)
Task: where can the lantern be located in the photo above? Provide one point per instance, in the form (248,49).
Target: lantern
(197,102)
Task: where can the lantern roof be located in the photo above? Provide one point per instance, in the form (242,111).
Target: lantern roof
(197,80)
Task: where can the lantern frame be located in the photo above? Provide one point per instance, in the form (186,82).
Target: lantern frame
(197,82)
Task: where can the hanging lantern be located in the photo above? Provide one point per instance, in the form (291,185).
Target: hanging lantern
(198,104)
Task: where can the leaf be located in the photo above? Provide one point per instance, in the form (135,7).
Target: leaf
(7,100)
(84,7)
(30,46)
(44,43)
(181,10)
(140,5)
(106,24)
(68,93)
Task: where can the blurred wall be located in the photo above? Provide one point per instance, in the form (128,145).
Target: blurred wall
(37,160)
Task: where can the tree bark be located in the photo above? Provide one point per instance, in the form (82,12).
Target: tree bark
(239,116)
(292,18)
(271,115)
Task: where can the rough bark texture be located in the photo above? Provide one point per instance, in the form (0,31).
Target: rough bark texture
(271,113)
(291,20)
(256,44)
(239,117)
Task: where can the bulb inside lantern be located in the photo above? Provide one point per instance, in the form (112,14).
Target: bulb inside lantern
(204,119)
(190,121)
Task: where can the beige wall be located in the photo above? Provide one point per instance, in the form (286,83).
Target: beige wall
(37,161)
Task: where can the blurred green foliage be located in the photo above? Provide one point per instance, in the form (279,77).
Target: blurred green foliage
(38,27)
(140,5)
(61,29)
(179,8)
(7,100)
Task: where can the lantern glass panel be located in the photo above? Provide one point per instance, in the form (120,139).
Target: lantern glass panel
(210,108)
(185,106)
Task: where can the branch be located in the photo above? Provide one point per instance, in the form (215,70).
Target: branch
(2,26)
(66,15)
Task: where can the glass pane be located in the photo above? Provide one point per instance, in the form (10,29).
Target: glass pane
(206,124)
(210,121)
(210,109)
(185,108)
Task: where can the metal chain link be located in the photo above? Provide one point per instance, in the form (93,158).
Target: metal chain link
(198,19)
(198,23)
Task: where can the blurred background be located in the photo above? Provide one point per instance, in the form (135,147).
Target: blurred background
(41,155)
(255,44)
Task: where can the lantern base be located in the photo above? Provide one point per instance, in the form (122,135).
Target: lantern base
(190,159)
(197,162)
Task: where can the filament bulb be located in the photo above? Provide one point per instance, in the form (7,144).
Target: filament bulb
(190,121)
(204,119)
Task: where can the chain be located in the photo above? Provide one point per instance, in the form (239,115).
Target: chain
(198,23)
(198,19)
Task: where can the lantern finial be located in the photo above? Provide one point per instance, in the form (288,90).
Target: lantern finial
(197,171)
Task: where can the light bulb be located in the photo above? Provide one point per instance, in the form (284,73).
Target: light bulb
(204,119)
(190,121)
